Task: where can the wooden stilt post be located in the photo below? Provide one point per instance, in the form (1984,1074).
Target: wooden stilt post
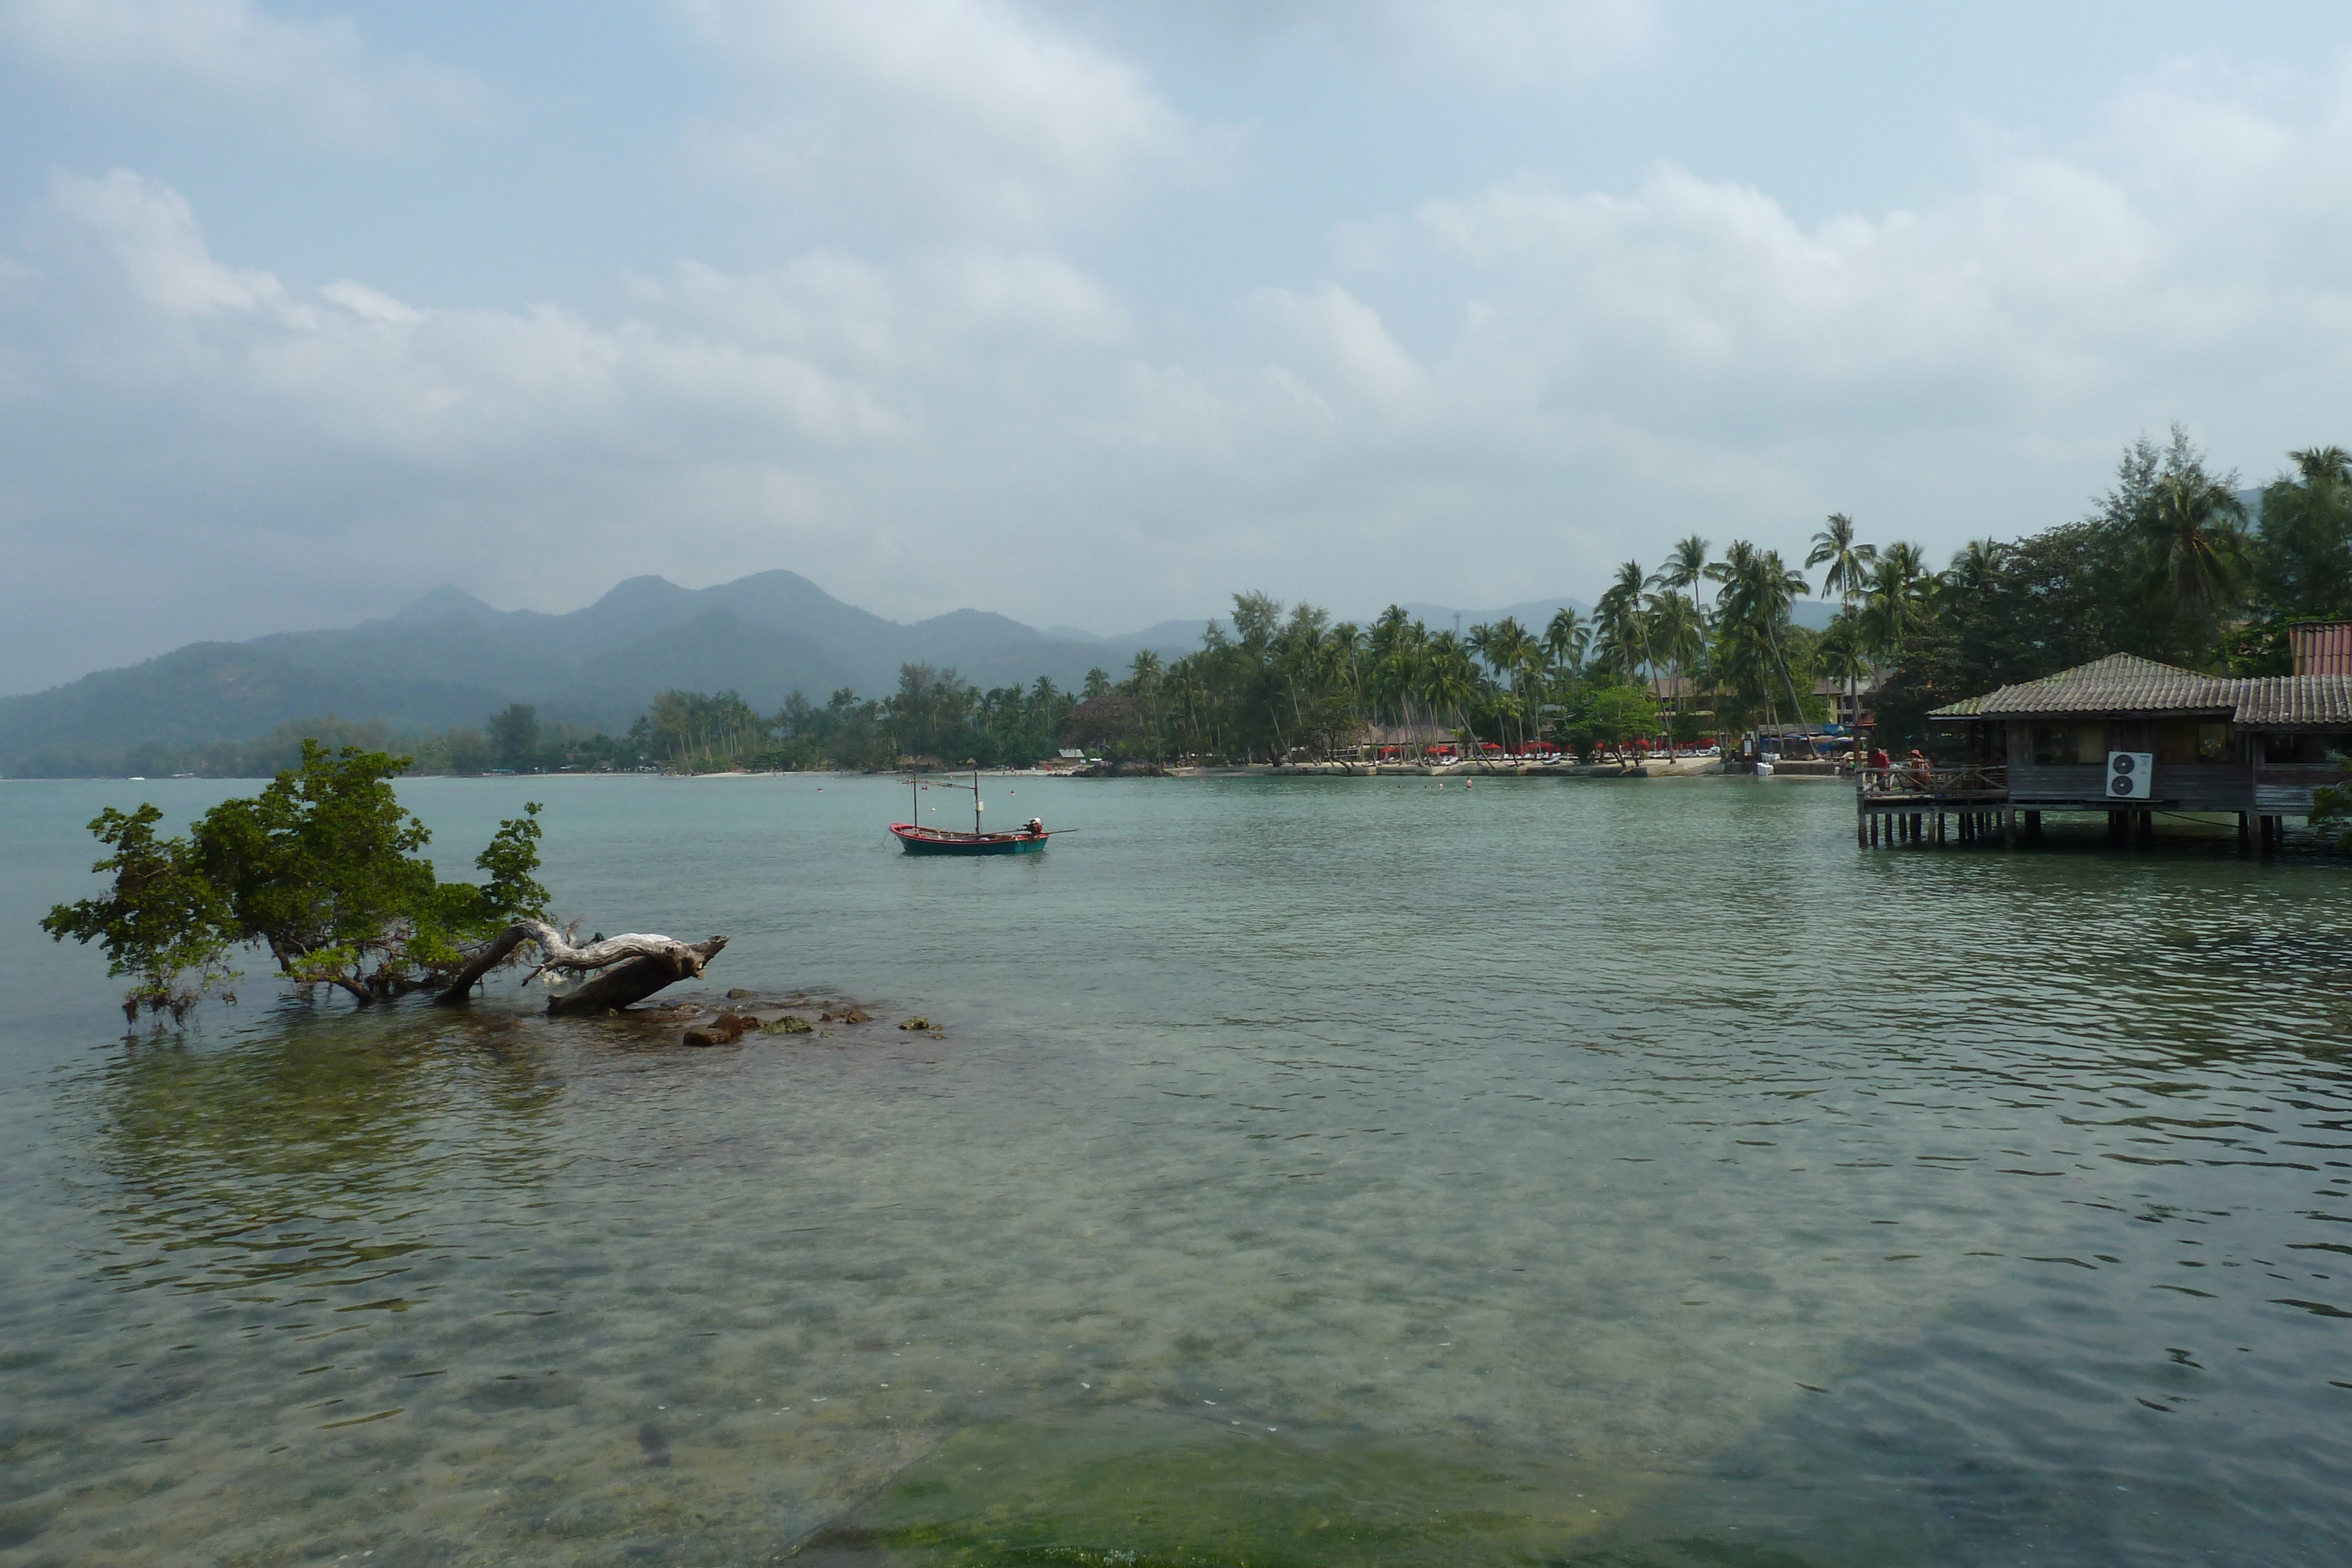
(2008,829)
(2033,827)
(2245,829)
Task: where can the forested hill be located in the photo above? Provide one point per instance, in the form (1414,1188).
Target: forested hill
(449,659)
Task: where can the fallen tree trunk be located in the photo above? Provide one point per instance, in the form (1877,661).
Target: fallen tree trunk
(628,968)
(637,980)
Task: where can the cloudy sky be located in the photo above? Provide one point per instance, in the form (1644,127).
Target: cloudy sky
(1093,312)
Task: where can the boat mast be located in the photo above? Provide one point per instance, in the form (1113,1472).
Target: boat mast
(975,802)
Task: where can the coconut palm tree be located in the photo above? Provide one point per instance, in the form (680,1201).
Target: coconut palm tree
(1513,653)
(1677,635)
(1848,574)
(1632,583)
(1622,643)
(2196,540)
(1685,566)
(1394,651)
(1758,591)
(1896,602)
(1685,570)
(1845,658)
(2324,464)
(1486,642)
(1777,590)
(1974,566)
(1848,562)
(1345,649)
(1565,639)
(1447,680)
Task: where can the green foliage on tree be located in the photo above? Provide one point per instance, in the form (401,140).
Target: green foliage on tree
(2331,813)
(514,735)
(2303,554)
(323,869)
(163,923)
(2168,567)
(1610,713)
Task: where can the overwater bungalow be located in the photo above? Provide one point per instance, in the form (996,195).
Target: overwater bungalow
(2129,738)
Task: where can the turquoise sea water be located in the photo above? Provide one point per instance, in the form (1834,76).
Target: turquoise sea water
(1309,1171)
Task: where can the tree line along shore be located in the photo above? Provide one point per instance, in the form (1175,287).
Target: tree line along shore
(2172,563)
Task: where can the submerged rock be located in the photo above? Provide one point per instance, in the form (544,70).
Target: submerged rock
(725,1030)
(791,1023)
(917,1023)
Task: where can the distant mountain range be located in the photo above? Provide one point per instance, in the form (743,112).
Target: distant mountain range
(449,659)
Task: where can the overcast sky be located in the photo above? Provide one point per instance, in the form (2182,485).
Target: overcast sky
(1093,312)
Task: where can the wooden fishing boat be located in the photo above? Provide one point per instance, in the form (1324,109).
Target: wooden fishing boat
(918,840)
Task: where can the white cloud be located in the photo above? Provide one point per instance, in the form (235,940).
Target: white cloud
(149,234)
(1537,381)
(1342,335)
(1624,367)
(442,386)
(369,305)
(1518,41)
(965,109)
(232,58)
(289,434)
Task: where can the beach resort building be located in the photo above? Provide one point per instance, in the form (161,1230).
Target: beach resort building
(2134,740)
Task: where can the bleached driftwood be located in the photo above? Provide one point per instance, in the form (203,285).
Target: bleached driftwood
(627,968)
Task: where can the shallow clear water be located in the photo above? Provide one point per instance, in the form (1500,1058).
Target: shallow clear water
(1310,1171)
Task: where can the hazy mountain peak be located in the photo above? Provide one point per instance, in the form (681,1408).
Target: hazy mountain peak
(442,603)
(632,591)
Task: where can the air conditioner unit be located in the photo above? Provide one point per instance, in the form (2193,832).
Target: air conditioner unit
(2128,774)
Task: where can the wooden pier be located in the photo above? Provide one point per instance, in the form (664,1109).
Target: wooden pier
(1908,806)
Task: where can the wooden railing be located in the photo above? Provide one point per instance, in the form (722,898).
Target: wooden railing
(1966,781)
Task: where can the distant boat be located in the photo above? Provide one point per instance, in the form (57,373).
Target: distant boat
(918,840)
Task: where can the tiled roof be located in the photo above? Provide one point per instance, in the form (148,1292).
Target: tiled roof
(2125,684)
(2319,700)
(2117,684)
